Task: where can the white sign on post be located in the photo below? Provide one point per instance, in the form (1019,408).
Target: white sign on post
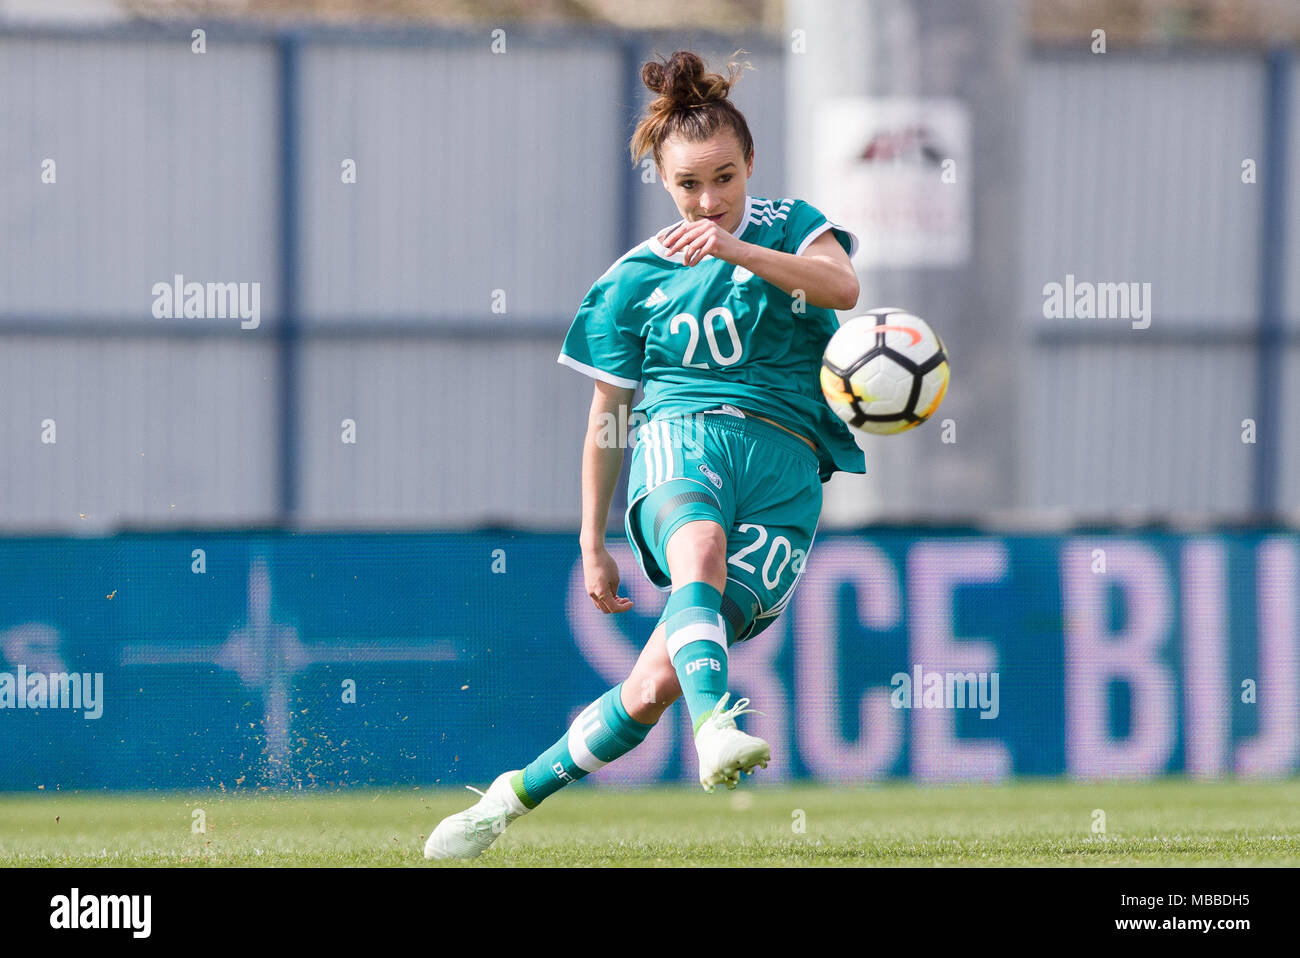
(897,171)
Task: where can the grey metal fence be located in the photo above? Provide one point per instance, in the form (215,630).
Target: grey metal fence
(422,216)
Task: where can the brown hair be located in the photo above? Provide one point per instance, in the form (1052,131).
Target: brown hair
(691,104)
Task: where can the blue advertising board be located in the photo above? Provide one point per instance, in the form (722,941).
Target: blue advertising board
(251,660)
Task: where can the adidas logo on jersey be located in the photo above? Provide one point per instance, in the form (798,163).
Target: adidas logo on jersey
(657,297)
(713,476)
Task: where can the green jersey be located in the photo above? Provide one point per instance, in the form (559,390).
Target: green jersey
(714,333)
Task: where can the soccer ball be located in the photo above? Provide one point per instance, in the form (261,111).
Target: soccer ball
(885,371)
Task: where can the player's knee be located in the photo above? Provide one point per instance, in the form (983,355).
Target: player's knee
(698,552)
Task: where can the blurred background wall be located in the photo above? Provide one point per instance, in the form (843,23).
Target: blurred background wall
(424,198)
(413,196)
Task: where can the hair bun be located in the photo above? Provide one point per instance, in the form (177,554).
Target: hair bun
(682,82)
(652,75)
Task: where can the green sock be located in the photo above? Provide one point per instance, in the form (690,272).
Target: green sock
(697,646)
(602,733)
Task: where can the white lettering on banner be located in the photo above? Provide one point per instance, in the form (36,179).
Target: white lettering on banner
(1275,750)
(1206,718)
(1095,656)
(934,570)
(1116,627)
(822,748)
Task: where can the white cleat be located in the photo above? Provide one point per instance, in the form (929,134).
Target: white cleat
(468,834)
(724,750)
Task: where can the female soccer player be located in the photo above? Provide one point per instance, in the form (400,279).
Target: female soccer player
(723,317)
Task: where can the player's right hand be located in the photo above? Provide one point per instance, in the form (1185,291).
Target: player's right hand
(601,574)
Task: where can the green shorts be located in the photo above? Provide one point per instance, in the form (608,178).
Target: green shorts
(758,481)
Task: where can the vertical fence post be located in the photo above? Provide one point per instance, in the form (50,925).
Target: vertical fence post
(1272,256)
(630,60)
(287,334)
(629,67)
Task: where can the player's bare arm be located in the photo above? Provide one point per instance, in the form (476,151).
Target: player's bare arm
(601,462)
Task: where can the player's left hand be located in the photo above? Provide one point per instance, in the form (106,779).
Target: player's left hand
(702,238)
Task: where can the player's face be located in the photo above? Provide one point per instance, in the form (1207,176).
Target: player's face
(707,180)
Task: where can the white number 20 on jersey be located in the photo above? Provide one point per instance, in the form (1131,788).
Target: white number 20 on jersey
(693,337)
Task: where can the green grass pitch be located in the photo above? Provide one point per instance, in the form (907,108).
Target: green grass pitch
(1167,822)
